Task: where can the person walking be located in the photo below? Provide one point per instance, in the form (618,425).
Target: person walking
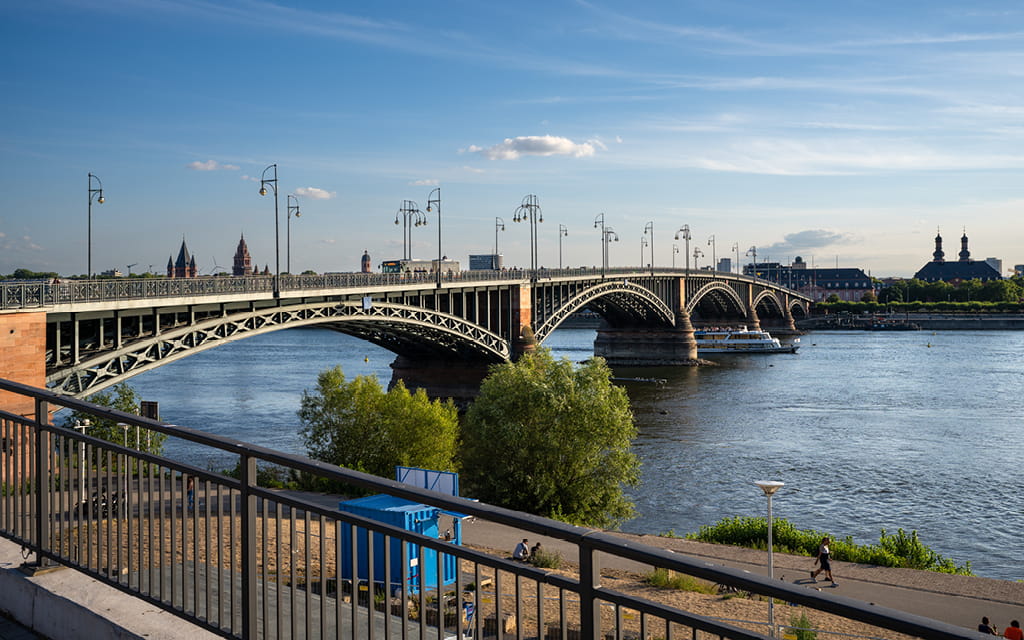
(824,562)
(1013,632)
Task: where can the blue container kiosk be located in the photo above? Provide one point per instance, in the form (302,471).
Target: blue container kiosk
(404,514)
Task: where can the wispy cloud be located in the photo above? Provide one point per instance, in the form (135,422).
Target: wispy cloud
(211,165)
(513,148)
(807,241)
(429,182)
(314,193)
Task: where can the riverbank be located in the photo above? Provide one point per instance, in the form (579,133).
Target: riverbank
(923,321)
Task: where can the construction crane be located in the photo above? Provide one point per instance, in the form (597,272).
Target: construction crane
(129,268)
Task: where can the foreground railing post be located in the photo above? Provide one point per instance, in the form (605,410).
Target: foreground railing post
(248,542)
(590,581)
(41,479)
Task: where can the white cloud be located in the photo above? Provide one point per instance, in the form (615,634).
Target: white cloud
(211,165)
(513,148)
(250,178)
(424,183)
(328,241)
(806,241)
(315,193)
(473,169)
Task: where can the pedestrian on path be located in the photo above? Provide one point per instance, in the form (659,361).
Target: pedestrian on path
(986,627)
(1013,632)
(822,559)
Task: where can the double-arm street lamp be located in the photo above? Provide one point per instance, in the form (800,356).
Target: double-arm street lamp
(643,245)
(649,228)
(97,193)
(607,236)
(499,225)
(736,250)
(697,253)
(599,223)
(292,208)
(675,250)
(770,487)
(264,181)
(752,251)
(434,202)
(411,217)
(714,258)
(529,211)
(684,233)
(562,232)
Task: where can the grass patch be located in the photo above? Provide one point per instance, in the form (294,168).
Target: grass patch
(898,549)
(545,559)
(665,579)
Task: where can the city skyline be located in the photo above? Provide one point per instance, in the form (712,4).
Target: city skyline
(847,133)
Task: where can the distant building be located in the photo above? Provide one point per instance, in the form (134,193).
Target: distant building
(365,264)
(847,283)
(725,265)
(184,266)
(486,262)
(938,270)
(996,264)
(243,261)
(112,273)
(1018,269)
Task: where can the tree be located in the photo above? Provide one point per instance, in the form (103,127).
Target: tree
(550,438)
(356,424)
(123,399)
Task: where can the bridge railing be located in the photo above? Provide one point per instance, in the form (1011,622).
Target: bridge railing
(41,294)
(227,553)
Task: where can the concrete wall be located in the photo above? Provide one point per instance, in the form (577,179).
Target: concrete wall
(22,357)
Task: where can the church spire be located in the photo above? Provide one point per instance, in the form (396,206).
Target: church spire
(938,255)
(965,255)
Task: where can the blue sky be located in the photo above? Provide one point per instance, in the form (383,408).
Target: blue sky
(834,131)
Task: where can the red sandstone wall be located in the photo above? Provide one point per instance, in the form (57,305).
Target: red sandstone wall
(22,357)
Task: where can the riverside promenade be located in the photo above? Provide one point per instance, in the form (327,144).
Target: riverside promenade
(65,603)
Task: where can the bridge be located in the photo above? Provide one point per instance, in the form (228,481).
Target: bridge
(78,337)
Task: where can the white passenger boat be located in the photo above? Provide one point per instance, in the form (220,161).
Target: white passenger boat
(739,340)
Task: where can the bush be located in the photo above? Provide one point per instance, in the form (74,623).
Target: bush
(545,559)
(893,550)
(800,627)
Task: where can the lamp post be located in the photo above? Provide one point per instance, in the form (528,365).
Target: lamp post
(499,225)
(529,211)
(599,219)
(264,181)
(643,245)
(684,233)
(411,217)
(714,263)
(752,251)
(562,232)
(608,235)
(697,253)
(434,200)
(649,228)
(93,193)
(770,487)
(291,208)
(675,250)
(736,249)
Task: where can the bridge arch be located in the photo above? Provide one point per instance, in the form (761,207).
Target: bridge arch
(617,302)
(720,296)
(403,329)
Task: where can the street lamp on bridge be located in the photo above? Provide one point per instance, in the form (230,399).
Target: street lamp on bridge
(714,263)
(697,253)
(649,228)
(264,181)
(434,200)
(292,208)
(752,251)
(684,233)
(93,193)
(411,217)
(499,225)
(599,223)
(736,249)
(643,245)
(608,235)
(529,211)
(675,250)
(562,232)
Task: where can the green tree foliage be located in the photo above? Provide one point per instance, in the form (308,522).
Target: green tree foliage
(27,274)
(356,424)
(550,438)
(124,398)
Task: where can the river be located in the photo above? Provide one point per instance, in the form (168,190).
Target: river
(869,430)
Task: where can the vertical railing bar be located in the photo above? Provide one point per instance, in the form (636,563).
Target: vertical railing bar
(519,606)
(497,602)
(540,608)
(370,562)
(459,586)
(248,542)
(223,600)
(387,587)
(42,506)
(173,546)
(307,534)
(207,550)
(439,558)
(339,553)
(323,582)
(421,568)
(291,572)
(477,601)
(263,554)
(562,613)
(233,561)
(404,589)
(134,481)
(354,584)
(590,580)
(279,563)
(618,621)
(110,517)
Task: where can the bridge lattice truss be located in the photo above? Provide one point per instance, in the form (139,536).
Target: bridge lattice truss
(399,328)
(619,298)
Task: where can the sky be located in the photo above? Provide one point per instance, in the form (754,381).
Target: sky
(846,133)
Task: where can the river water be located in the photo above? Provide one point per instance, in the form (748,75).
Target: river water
(869,430)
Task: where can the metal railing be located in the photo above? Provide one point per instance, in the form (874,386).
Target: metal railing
(245,561)
(43,294)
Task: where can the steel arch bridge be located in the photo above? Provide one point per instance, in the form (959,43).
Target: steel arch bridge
(98,333)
